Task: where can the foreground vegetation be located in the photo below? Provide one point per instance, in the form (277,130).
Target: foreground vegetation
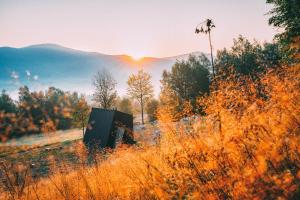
(245,148)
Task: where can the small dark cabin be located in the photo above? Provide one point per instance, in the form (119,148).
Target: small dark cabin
(107,128)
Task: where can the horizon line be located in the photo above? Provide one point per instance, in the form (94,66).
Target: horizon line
(86,51)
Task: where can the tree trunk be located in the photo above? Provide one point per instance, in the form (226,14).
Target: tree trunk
(82,124)
(211,55)
(142,109)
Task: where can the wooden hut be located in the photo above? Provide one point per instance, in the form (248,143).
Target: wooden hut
(108,128)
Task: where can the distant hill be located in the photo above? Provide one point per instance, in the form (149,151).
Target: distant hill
(44,65)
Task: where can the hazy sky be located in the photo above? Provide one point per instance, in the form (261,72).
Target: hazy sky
(135,27)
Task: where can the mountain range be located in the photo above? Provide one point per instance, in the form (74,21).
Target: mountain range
(43,65)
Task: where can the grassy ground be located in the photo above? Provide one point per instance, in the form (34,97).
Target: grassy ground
(36,154)
(44,138)
(39,159)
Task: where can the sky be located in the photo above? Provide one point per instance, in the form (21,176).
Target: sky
(157,28)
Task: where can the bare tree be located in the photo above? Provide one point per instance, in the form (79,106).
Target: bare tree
(140,88)
(105,93)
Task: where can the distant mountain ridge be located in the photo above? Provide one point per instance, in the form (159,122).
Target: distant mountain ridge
(43,65)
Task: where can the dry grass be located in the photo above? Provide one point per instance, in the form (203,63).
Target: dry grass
(247,147)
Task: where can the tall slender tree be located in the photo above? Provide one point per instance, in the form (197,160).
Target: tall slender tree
(140,88)
(206,27)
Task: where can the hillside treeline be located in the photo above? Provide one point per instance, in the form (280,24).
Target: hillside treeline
(188,81)
(37,112)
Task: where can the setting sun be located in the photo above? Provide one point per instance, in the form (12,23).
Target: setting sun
(136,57)
(137,54)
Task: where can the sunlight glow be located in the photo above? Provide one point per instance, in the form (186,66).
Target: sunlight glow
(137,57)
(137,54)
